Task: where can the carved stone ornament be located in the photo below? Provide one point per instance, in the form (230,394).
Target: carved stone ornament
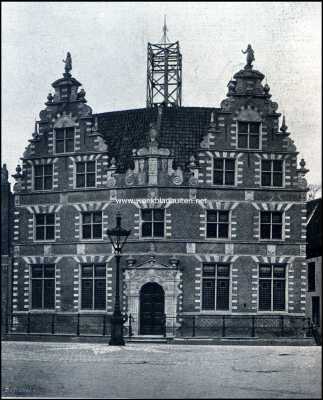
(130,178)
(177,178)
(101,145)
(167,276)
(65,121)
(111,181)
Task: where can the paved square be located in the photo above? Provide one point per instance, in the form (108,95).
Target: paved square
(34,369)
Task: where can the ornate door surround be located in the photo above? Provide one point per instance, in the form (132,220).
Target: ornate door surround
(167,276)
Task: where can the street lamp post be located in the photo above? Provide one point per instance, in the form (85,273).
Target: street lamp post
(118,237)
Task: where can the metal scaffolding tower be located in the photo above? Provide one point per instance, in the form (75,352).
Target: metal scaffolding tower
(164,73)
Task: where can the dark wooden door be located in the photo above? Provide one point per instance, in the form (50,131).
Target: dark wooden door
(152,302)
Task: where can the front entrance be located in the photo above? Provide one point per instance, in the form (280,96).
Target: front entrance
(152,309)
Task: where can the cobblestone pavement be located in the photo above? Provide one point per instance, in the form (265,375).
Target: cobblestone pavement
(34,369)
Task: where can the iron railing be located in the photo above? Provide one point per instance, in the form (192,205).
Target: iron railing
(199,325)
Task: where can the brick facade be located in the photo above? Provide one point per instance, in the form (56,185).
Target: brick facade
(162,152)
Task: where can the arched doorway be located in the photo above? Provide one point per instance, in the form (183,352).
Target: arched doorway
(152,308)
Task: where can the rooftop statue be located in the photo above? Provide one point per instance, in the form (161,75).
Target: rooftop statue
(68,62)
(250,56)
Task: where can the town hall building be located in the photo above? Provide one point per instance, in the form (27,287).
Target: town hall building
(214,198)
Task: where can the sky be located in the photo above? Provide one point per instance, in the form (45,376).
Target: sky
(108,44)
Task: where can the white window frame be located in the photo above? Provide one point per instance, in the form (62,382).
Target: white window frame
(54,139)
(235,171)
(272,291)
(81,226)
(152,221)
(215,311)
(229,227)
(272,174)
(49,310)
(260,136)
(35,225)
(33,177)
(94,310)
(75,175)
(283,226)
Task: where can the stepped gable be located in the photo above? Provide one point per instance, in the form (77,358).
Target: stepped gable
(181,131)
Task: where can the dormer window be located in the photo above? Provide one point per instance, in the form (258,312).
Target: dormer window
(248,135)
(64,140)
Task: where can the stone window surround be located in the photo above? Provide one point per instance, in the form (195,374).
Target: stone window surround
(31,175)
(260,135)
(30,288)
(215,311)
(286,290)
(269,157)
(54,140)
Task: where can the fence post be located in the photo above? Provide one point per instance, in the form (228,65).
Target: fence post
(223,325)
(193,326)
(7,323)
(130,325)
(104,325)
(28,323)
(78,325)
(253,331)
(53,323)
(309,331)
(282,325)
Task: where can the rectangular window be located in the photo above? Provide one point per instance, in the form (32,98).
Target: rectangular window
(217,224)
(271,225)
(43,286)
(85,174)
(248,135)
(45,226)
(311,277)
(92,225)
(223,173)
(215,286)
(43,177)
(152,222)
(272,173)
(93,287)
(64,140)
(272,282)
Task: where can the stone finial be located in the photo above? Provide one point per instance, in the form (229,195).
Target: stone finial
(18,170)
(35,133)
(283,127)
(50,98)
(81,94)
(153,133)
(113,163)
(250,56)
(68,63)
(192,163)
(231,87)
(266,88)
(302,163)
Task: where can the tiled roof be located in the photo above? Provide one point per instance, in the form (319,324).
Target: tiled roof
(181,131)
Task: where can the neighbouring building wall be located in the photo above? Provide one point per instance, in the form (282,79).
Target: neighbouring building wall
(6,243)
(314,262)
